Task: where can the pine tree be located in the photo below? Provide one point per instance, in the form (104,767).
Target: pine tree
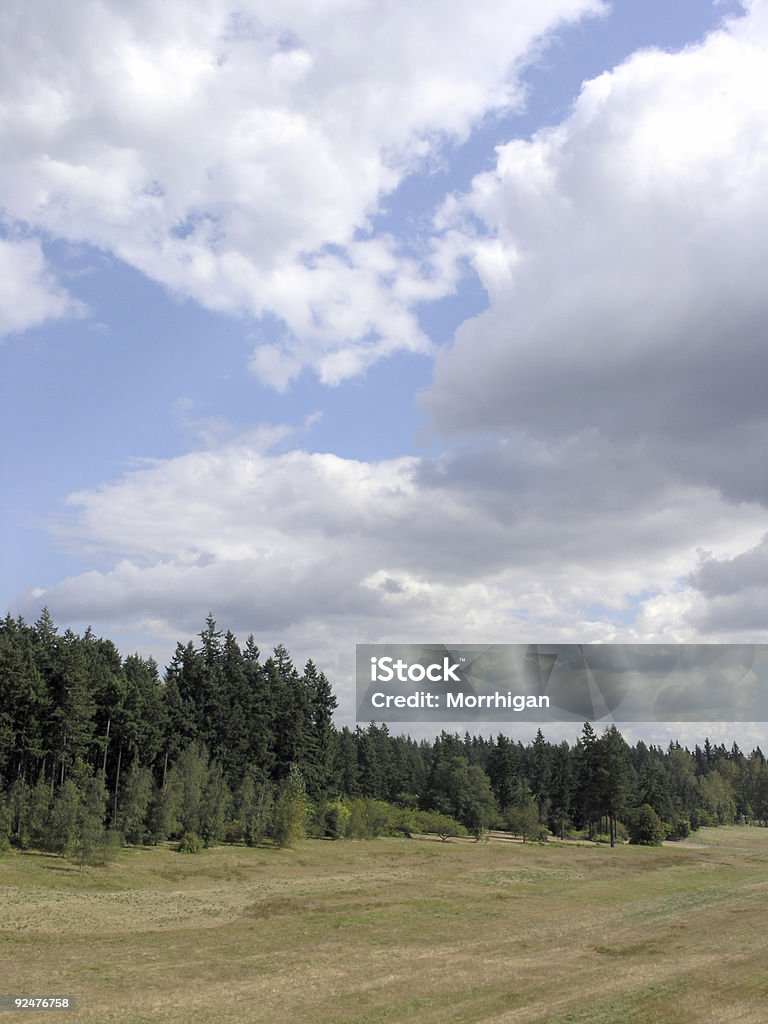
(561,789)
(540,773)
(23,702)
(504,771)
(63,832)
(163,812)
(321,703)
(587,795)
(73,704)
(145,716)
(215,803)
(260,714)
(615,776)
(292,717)
(346,769)
(232,708)
(91,834)
(134,805)
(189,775)
(37,826)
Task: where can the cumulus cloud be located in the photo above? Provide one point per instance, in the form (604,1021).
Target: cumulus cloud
(238,153)
(730,594)
(619,365)
(29,292)
(481,546)
(622,252)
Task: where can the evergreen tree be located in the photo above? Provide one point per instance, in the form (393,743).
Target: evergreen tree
(646,827)
(232,707)
(587,794)
(23,703)
(504,770)
(72,705)
(372,752)
(164,810)
(145,718)
(561,789)
(540,773)
(91,835)
(259,713)
(215,803)
(522,816)
(188,776)
(346,771)
(63,832)
(183,691)
(322,703)
(615,777)
(34,815)
(653,787)
(291,713)
(134,806)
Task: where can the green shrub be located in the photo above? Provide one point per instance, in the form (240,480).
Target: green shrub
(357,823)
(577,833)
(106,850)
(369,818)
(645,827)
(233,831)
(679,829)
(191,842)
(432,823)
(336,819)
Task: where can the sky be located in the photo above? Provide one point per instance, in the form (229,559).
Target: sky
(352,322)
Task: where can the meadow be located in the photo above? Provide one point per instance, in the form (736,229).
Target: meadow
(392,930)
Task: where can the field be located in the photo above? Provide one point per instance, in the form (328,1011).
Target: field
(394,930)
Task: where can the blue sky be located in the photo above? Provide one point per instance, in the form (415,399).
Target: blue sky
(383,323)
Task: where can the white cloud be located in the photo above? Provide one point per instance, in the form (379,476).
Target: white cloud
(729,594)
(621,359)
(323,552)
(29,292)
(623,254)
(622,251)
(237,153)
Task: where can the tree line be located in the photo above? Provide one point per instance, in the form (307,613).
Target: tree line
(97,749)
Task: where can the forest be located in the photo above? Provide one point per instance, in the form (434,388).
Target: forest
(98,750)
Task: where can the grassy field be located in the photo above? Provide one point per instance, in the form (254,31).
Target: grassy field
(394,930)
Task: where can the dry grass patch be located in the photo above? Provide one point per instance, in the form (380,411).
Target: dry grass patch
(389,930)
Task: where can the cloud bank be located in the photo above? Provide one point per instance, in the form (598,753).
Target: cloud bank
(610,484)
(623,254)
(237,154)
